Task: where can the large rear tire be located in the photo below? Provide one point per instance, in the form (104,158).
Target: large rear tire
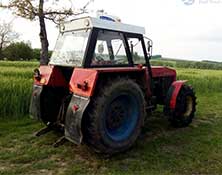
(183,114)
(116,117)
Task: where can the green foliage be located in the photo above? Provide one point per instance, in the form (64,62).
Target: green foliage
(18,51)
(37,54)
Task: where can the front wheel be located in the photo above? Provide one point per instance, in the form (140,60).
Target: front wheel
(116,117)
(183,114)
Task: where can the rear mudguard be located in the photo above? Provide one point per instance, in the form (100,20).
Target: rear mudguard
(35,110)
(73,120)
(171,99)
(49,76)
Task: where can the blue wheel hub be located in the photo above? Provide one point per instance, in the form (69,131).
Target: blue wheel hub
(122,117)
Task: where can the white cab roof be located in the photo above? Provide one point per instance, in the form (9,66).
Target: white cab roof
(91,22)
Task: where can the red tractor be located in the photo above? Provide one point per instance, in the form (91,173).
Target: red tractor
(99,86)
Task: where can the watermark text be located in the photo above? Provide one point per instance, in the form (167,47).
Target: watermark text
(191,2)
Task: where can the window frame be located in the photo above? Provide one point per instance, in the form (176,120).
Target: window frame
(140,38)
(84,54)
(91,46)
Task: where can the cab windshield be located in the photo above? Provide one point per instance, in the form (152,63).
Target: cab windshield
(70,48)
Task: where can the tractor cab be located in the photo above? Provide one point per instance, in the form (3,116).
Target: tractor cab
(99,42)
(99,86)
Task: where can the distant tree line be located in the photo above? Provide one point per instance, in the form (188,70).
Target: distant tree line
(20,51)
(187,64)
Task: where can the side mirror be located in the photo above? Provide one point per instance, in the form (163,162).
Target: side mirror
(149,46)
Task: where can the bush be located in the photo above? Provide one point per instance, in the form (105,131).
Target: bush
(18,51)
(37,52)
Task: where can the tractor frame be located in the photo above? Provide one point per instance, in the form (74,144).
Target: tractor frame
(67,95)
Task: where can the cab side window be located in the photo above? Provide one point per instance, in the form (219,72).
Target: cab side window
(136,50)
(110,49)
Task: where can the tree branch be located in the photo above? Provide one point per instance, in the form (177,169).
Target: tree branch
(59,13)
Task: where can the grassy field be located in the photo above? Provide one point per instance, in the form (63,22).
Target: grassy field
(16,85)
(160,149)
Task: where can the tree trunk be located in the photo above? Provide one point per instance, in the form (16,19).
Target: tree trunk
(1,54)
(44,58)
(1,49)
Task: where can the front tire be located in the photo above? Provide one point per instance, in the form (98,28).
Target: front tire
(116,117)
(183,114)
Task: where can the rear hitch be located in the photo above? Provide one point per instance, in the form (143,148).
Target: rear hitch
(59,142)
(44,130)
(49,128)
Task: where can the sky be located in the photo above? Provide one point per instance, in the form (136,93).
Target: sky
(182,29)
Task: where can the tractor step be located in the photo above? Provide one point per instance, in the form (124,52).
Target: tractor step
(43,131)
(59,142)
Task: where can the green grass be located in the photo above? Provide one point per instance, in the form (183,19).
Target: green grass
(19,64)
(160,149)
(16,85)
(203,81)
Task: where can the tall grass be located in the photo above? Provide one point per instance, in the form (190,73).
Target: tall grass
(16,85)
(203,81)
(19,64)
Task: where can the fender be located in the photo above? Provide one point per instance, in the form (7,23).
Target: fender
(73,120)
(34,109)
(49,76)
(83,81)
(173,93)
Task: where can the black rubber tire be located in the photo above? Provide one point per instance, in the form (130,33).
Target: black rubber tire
(185,109)
(96,132)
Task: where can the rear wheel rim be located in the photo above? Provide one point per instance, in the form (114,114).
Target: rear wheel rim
(121,117)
